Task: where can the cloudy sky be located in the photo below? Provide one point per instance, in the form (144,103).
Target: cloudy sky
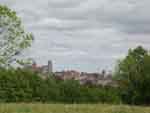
(86,35)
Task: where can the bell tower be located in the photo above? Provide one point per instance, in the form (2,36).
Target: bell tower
(50,66)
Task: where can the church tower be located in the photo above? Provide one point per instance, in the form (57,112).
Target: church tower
(50,66)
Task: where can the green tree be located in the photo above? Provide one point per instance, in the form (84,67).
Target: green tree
(69,91)
(133,74)
(13,38)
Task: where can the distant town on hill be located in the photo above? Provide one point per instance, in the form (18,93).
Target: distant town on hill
(104,78)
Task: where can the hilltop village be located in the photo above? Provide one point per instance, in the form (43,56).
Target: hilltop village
(84,78)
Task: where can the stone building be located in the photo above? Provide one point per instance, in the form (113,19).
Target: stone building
(44,69)
(68,75)
(84,78)
(47,68)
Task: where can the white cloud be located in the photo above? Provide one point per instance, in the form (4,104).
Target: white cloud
(83,34)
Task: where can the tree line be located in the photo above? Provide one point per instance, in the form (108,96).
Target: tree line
(20,85)
(132,74)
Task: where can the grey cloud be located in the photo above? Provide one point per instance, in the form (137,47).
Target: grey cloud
(64,3)
(87,35)
(122,15)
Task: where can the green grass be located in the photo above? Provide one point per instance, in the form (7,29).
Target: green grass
(71,108)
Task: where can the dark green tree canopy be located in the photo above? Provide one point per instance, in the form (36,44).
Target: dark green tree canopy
(133,74)
(13,38)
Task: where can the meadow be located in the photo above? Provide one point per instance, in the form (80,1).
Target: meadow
(71,108)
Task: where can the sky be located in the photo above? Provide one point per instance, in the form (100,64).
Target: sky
(84,35)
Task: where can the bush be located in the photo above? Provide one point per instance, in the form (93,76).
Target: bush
(20,85)
(133,74)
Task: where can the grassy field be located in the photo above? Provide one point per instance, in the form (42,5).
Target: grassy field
(70,108)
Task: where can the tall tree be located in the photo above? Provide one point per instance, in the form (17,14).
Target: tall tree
(13,38)
(133,74)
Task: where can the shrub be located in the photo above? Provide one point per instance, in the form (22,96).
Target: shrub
(20,85)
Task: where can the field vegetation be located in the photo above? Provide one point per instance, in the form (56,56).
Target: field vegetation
(20,85)
(71,108)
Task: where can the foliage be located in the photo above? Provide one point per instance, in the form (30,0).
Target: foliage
(70,108)
(133,74)
(13,38)
(20,85)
